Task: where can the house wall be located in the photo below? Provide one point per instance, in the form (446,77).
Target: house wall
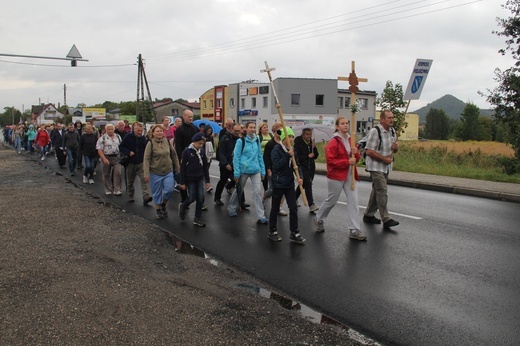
(172,110)
(49,115)
(317,100)
(366,115)
(207,105)
(411,132)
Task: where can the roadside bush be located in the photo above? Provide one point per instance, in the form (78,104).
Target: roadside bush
(510,165)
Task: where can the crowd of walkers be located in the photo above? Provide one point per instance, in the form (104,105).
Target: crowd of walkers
(177,157)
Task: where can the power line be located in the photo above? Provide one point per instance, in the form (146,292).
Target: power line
(269,33)
(293,37)
(67,66)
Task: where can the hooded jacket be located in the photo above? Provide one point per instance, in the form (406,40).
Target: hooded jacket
(194,165)
(282,167)
(338,158)
(31,133)
(248,160)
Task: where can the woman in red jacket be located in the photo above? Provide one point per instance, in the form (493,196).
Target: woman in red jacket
(42,140)
(339,178)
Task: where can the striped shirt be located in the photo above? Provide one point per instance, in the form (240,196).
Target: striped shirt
(385,149)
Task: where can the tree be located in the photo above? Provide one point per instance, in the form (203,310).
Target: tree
(392,99)
(128,107)
(486,129)
(469,120)
(506,96)
(437,124)
(10,116)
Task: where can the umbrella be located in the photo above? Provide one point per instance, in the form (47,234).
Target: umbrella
(216,127)
(320,133)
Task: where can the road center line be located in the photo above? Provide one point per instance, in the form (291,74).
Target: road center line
(399,214)
(344,203)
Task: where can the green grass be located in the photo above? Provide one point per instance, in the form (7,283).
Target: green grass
(440,161)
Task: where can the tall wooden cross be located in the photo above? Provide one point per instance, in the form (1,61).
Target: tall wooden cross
(287,141)
(353,80)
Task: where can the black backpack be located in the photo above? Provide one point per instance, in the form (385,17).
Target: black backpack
(363,143)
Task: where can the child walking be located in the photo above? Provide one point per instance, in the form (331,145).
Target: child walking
(194,172)
(283,185)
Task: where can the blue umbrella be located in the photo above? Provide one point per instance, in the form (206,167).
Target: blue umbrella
(216,127)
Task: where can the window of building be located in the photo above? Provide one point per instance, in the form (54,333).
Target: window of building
(265,102)
(347,102)
(295,99)
(242,103)
(204,105)
(362,103)
(320,100)
(175,112)
(232,103)
(340,102)
(211,104)
(253,102)
(219,103)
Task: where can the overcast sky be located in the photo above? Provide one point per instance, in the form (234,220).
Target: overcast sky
(191,46)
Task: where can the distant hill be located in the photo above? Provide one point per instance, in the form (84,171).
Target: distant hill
(449,104)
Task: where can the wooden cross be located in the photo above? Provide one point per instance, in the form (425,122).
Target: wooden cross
(287,141)
(354,82)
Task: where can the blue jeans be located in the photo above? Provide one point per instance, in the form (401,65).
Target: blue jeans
(71,159)
(195,193)
(161,187)
(18,144)
(42,150)
(90,166)
(30,147)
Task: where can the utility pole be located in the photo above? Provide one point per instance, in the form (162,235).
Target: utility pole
(64,94)
(141,83)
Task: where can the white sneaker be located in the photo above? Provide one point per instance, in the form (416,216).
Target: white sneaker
(282,212)
(357,234)
(43,158)
(85,180)
(91,181)
(313,208)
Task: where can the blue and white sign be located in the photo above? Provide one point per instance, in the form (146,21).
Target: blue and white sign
(417,79)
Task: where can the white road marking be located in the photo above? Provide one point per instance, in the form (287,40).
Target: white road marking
(344,203)
(399,214)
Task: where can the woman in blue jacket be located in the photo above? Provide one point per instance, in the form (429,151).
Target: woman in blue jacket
(248,162)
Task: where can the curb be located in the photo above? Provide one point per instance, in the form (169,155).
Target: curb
(496,195)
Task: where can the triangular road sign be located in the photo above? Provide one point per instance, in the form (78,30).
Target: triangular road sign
(74,53)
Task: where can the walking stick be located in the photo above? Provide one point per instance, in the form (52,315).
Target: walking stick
(287,141)
(401,121)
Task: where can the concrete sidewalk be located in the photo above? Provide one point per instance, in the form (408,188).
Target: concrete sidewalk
(471,187)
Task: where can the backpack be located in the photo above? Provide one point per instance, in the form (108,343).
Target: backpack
(363,143)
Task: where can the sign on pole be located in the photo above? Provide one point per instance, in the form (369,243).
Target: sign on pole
(417,79)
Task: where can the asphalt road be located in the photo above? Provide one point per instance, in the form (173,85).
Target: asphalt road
(447,275)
